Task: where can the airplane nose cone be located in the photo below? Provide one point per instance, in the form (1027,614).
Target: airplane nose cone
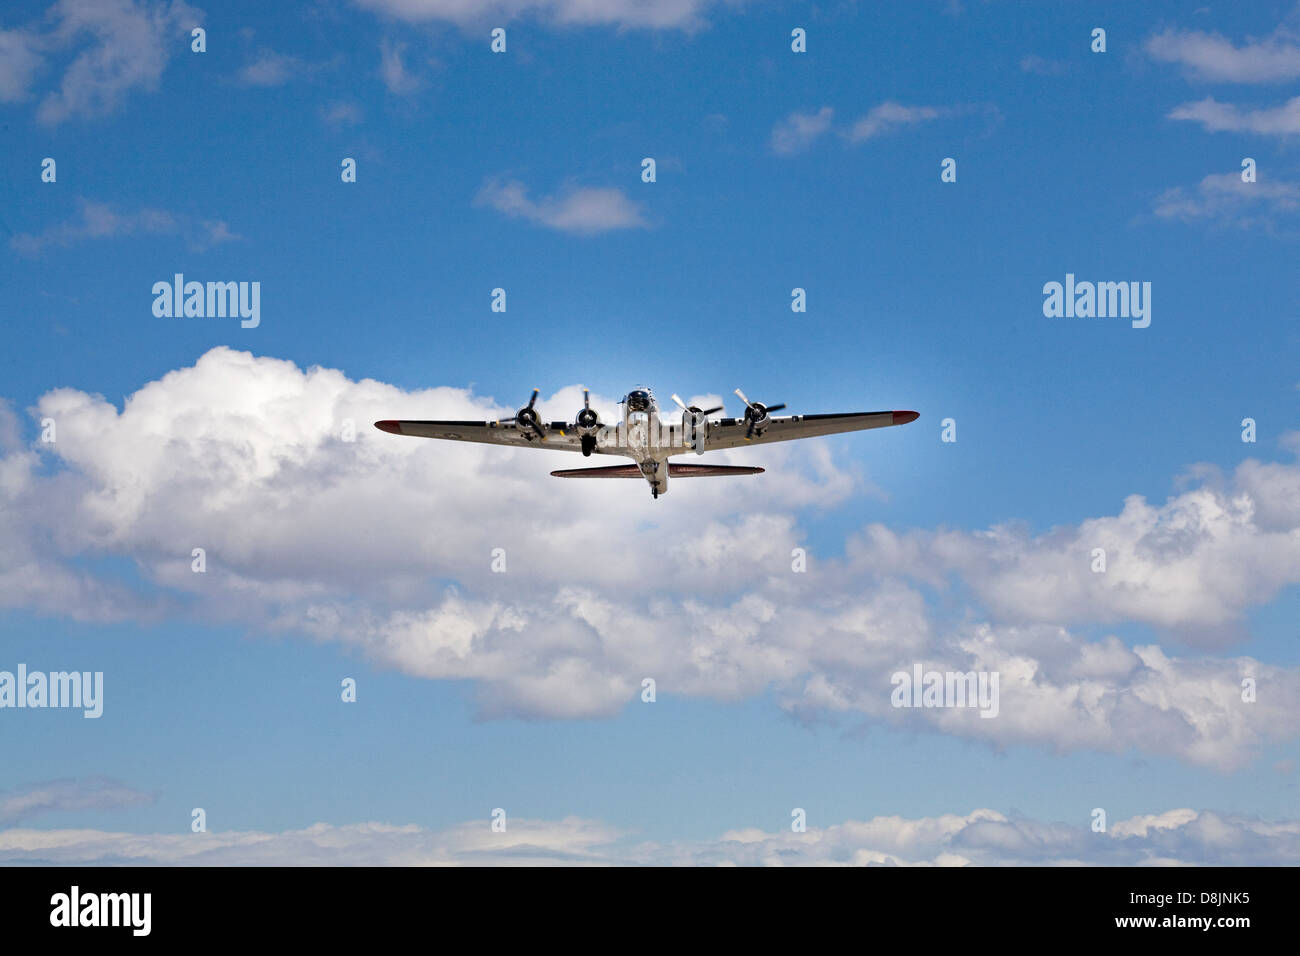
(902,418)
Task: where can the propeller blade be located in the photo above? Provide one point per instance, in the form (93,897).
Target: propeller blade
(680,403)
(536,392)
(776,408)
(586,398)
(710,411)
(741,396)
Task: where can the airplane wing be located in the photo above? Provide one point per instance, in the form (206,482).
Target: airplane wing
(560,436)
(730,432)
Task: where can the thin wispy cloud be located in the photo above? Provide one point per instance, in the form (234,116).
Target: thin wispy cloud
(1218,117)
(983,837)
(393,70)
(87,793)
(20,59)
(1211,57)
(342,113)
(117,47)
(890,116)
(1041,66)
(1224,198)
(641,14)
(582,210)
(99,221)
(269,68)
(798,131)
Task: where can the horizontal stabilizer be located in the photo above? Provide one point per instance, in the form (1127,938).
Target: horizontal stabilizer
(705,471)
(674,471)
(609,471)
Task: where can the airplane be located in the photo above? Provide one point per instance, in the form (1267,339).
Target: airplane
(645,437)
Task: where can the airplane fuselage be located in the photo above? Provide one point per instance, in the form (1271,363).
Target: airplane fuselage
(643,431)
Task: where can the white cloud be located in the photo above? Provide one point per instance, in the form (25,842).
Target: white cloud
(888,117)
(583,210)
(269,68)
(87,793)
(392,68)
(309,534)
(1193,565)
(1218,117)
(20,61)
(798,131)
(1211,57)
(1041,66)
(97,220)
(123,45)
(981,838)
(342,113)
(644,14)
(1225,198)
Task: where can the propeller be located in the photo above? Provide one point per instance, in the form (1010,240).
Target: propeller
(756,414)
(587,421)
(527,416)
(697,416)
(693,409)
(587,418)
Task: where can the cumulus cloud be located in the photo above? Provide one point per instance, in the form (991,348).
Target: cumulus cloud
(980,838)
(642,14)
(582,210)
(98,220)
(1218,117)
(385,544)
(798,131)
(1212,57)
(87,793)
(1192,566)
(117,47)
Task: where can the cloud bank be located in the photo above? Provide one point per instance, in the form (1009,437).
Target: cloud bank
(980,838)
(386,544)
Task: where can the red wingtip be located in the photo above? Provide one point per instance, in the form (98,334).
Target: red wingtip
(902,418)
(389,426)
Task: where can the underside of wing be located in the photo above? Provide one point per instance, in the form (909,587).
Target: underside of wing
(559,436)
(735,432)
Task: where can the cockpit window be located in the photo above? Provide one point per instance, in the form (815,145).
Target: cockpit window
(638,401)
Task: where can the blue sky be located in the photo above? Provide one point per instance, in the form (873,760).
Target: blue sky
(775,170)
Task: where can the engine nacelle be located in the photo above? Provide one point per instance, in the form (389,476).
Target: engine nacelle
(757,418)
(528,419)
(695,428)
(588,426)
